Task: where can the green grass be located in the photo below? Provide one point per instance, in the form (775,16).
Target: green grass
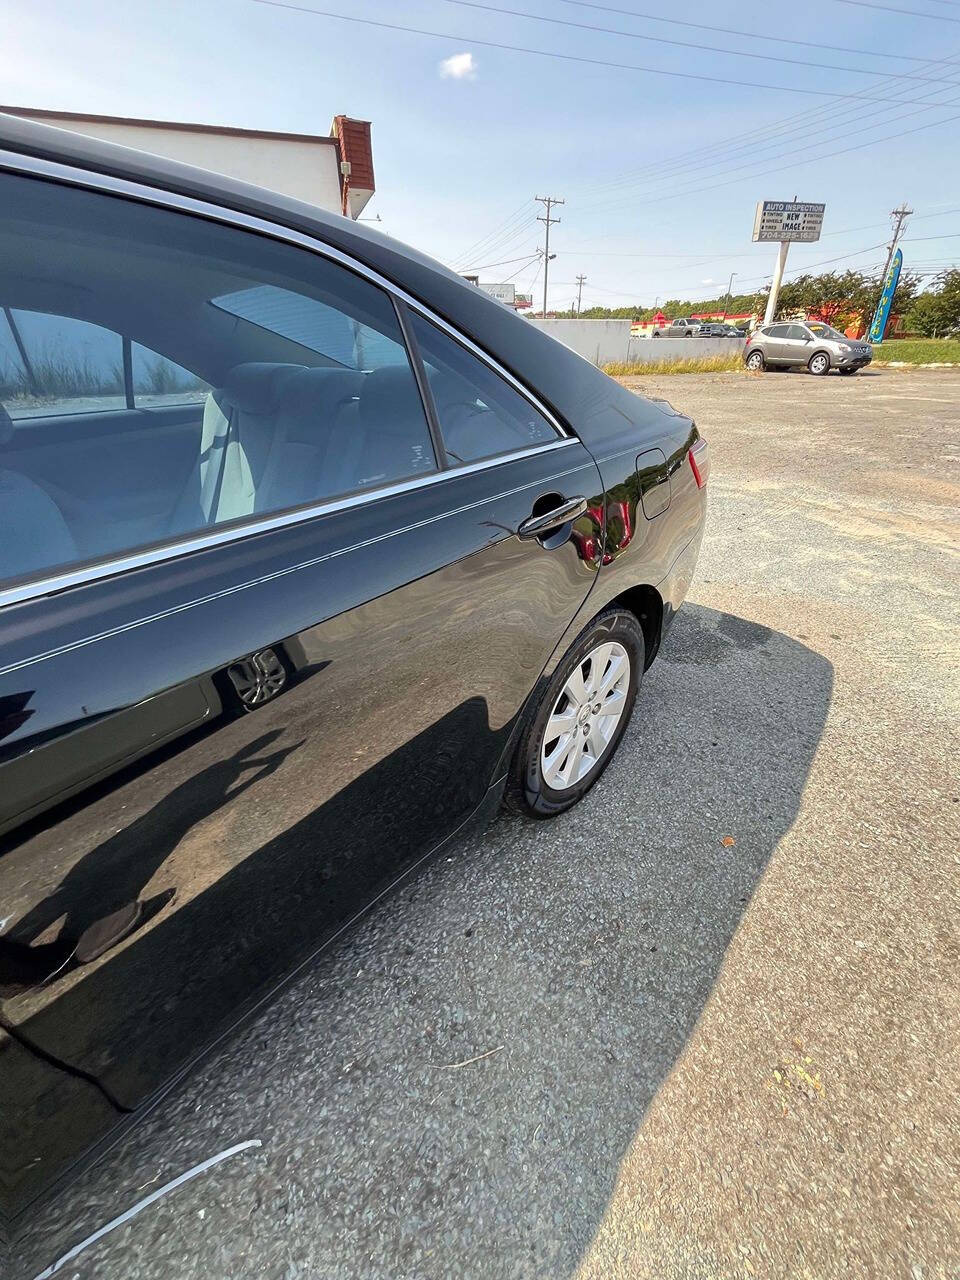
(919,351)
(703,364)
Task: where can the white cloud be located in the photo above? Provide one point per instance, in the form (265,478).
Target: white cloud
(459,66)
(708,282)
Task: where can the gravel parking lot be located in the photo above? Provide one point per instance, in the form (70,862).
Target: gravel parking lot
(718,1001)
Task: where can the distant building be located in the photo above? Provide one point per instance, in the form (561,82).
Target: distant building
(333,171)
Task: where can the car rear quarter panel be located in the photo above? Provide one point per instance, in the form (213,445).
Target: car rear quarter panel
(637,552)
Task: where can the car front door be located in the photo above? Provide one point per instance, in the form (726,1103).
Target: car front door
(222,741)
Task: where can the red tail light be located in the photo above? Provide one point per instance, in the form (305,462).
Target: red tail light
(749,340)
(699,456)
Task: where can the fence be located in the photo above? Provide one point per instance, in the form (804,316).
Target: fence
(605,341)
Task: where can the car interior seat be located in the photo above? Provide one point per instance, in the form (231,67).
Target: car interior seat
(33,532)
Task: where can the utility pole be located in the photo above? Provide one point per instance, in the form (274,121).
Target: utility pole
(899,216)
(580,283)
(548,202)
(726,301)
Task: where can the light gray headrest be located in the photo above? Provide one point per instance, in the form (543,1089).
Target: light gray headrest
(256,387)
(320,390)
(390,402)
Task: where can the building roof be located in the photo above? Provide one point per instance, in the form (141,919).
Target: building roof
(43,113)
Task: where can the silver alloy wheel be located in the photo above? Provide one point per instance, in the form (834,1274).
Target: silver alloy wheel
(258,678)
(755,360)
(819,364)
(585,716)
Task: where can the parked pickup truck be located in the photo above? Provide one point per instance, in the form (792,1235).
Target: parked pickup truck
(682,328)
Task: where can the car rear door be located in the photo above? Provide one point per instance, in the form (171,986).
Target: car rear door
(217,745)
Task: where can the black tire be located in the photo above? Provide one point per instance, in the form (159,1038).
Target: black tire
(527,791)
(756,361)
(819,364)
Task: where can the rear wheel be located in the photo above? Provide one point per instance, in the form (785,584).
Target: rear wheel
(819,364)
(756,361)
(581,716)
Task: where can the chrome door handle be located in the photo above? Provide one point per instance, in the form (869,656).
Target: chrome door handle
(537,526)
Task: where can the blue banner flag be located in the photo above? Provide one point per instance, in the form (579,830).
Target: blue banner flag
(882,313)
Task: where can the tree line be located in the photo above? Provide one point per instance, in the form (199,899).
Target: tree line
(839,297)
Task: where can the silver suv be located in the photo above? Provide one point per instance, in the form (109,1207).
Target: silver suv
(815,345)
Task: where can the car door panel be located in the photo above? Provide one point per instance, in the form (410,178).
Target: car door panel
(120,468)
(412,627)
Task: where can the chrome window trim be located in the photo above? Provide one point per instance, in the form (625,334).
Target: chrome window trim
(215,537)
(36,167)
(33,166)
(132,625)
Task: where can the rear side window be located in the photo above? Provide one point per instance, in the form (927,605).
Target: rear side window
(778,331)
(480,414)
(162,375)
(58,364)
(157,380)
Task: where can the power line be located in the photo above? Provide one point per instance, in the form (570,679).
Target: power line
(722,255)
(513,275)
(482,245)
(795,124)
(566,57)
(834,120)
(686,44)
(903,133)
(888,8)
(490,234)
(505,262)
(750,35)
(509,241)
(795,150)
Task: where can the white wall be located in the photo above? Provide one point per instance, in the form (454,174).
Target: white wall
(300,168)
(598,341)
(604,341)
(650,350)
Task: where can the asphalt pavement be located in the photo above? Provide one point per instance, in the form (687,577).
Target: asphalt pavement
(706,1024)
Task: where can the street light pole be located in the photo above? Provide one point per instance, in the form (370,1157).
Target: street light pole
(726,301)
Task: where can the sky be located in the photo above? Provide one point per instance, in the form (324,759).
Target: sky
(660,162)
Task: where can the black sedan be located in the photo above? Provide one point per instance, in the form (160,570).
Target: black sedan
(310,554)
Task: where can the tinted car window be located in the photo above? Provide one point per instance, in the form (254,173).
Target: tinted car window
(160,381)
(778,331)
(66,365)
(799,332)
(291,370)
(480,414)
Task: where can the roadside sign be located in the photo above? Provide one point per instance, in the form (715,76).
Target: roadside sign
(502,292)
(788,220)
